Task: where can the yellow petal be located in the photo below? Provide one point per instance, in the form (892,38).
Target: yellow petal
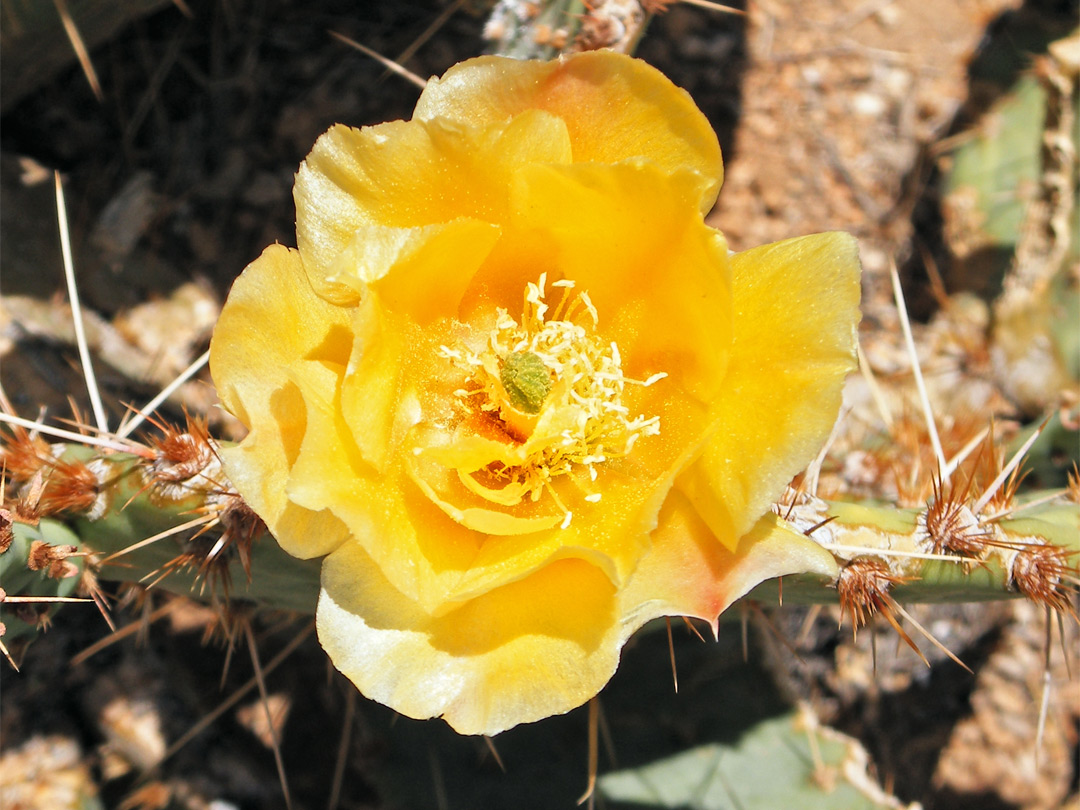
(257,364)
(370,401)
(537,647)
(688,572)
(611,531)
(796,311)
(409,174)
(408,266)
(420,550)
(615,107)
(484,519)
(630,236)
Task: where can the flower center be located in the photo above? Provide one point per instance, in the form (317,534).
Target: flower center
(556,388)
(525,380)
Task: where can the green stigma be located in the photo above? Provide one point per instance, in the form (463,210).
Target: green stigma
(526,381)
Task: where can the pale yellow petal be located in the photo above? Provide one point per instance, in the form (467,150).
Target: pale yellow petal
(540,646)
(257,366)
(689,572)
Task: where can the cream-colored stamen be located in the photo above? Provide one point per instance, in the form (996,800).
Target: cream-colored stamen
(556,387)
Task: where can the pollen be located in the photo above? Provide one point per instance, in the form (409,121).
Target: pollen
(556,387)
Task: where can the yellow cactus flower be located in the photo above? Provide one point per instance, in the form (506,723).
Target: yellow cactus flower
(519,394)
